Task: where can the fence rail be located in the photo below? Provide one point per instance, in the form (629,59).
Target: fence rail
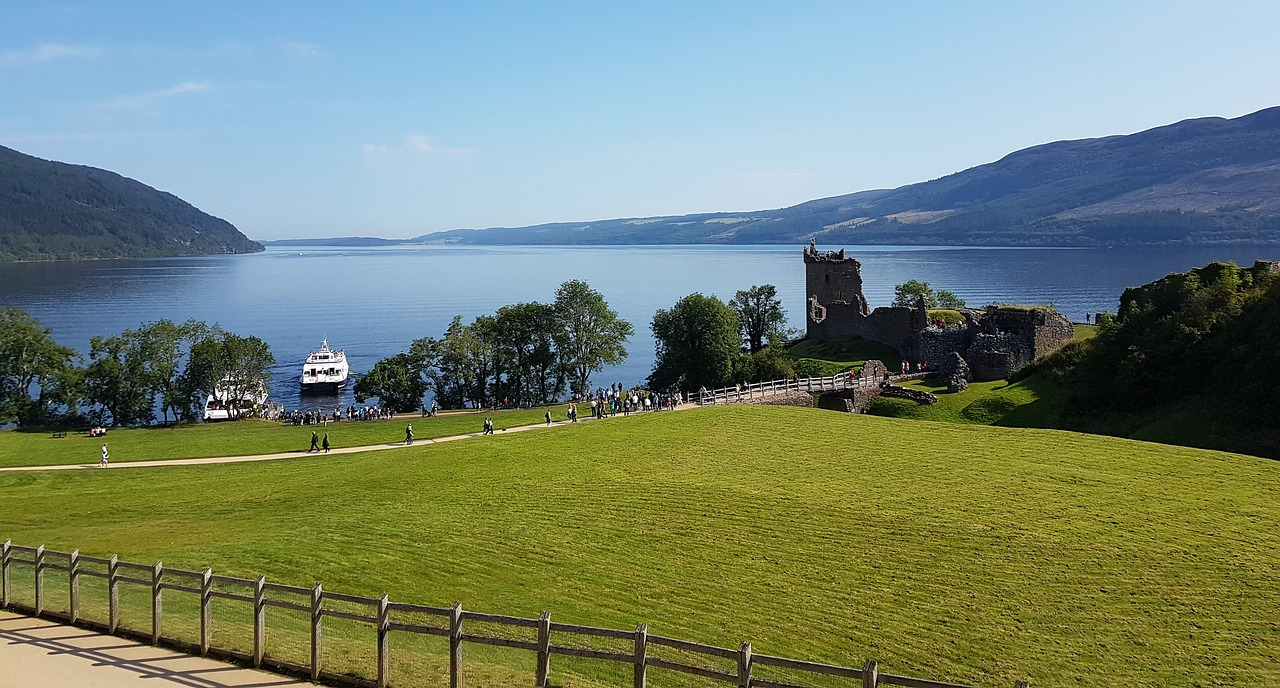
(379,619)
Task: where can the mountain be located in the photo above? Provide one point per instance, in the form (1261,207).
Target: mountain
(55,211)
(1200,181)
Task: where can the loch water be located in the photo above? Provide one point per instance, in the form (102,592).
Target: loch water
(373,302)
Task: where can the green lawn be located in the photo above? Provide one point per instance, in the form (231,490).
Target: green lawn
(960,552)
(1031,403)
(241,438)
(834,356)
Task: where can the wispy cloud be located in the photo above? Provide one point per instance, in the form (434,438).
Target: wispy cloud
(301,50)
(142,101)
(49,52)
(417,144)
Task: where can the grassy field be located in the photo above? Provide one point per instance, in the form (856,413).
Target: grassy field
(242,438)
(1030,403)
(833,356)
(959,552)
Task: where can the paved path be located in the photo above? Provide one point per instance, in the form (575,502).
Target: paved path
(39,652)
(302,454)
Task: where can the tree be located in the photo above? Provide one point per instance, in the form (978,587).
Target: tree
(948,299)
(397,382)
(228,366)
(117,380)
(526,335)
(590,334)
(697,342)
(909,292)
(760,316)
(29,357)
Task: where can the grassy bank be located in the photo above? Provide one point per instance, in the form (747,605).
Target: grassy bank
(242,438)
(968,553)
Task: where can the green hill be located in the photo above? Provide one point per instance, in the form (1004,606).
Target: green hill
(966,553)
(1200,181)
(55,211)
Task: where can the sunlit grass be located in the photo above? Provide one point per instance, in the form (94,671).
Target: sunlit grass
(959,552)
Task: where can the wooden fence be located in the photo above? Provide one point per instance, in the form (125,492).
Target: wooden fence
(386,617)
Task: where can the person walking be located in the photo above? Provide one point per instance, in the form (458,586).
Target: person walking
(103,462)
(548,416)
(408,434)
(325,443)
(315,442)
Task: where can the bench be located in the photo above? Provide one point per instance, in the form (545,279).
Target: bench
(59,434)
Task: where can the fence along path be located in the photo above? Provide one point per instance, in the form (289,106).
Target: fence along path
(834,383)
(385,617)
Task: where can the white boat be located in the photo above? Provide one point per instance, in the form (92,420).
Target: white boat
(228,402)
(325,370)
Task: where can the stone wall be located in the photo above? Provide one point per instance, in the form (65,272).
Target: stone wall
(801,399)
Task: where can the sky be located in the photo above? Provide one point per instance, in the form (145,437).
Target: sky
(394,119)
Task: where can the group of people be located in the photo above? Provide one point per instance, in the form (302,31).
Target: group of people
(920,367)
(308,417)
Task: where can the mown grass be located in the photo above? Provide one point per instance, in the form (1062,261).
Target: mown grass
(973,554)
(1029,403)
(243,437)
(834,356)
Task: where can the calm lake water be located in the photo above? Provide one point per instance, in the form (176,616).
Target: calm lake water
(373,302)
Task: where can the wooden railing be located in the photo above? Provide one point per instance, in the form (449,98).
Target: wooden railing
(385,617)
(740,393)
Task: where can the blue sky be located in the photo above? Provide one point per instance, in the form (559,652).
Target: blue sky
(311,119)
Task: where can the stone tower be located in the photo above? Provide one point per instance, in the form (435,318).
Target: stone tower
(831,281)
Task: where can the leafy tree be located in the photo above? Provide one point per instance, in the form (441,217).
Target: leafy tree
(166,348)
(760,316)
(525,342)
(907,293)
(30,358)
(762,366)
(117,380)
(397,382)
(590,334)
(697,342)
(948,299)
(230,366)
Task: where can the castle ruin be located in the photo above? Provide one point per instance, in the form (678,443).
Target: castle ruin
(994,341)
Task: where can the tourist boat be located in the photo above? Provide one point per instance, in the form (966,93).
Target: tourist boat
(228,403)
(325,370)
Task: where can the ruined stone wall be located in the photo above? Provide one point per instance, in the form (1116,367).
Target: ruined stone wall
(934,345)
(996,357)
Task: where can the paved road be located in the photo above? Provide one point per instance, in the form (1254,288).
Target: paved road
(38,652)
(301,454)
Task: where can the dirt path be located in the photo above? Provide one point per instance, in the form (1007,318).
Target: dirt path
(302,454)
(39,652)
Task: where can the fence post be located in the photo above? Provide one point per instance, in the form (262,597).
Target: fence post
(744,665)
(4,574)
(259,620)
(206,611)
(157,608)
(1021,684)
(113,593)
(384,642)
(641,656)
(455,645)
(73,584)
(870,674)
(317,603)
(544,649)
(39,580)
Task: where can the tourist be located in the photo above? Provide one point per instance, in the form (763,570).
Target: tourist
(548,416)
(325,443)
(408,434)
(103,462)
(315,442)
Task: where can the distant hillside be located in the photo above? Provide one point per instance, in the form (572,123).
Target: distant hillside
(54,211)
(1199,181)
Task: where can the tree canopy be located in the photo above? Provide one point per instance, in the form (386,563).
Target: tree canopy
(909,292)
(760,316)
(697,342)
